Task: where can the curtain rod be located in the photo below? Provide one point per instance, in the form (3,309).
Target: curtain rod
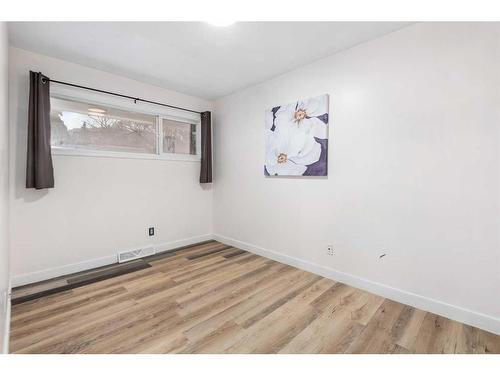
(45,79)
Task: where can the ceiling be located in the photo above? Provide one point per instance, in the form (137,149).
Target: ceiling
(194,57)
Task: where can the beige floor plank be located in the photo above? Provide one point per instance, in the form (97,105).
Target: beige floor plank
(409,336)
(275,330)
(288,280)
(334,329)
(377,336)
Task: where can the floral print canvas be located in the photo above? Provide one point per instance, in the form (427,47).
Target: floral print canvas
(297,138)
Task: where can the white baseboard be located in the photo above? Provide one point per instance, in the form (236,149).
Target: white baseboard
(6,333)
(49,273)
(185,242)
(473,318)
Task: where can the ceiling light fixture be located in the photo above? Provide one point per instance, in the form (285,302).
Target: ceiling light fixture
(221,22)
(97,110)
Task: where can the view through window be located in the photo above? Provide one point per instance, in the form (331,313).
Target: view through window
(178,137)
(77,125)
(86,126)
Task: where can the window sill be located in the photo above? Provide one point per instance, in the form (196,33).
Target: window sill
(56,151)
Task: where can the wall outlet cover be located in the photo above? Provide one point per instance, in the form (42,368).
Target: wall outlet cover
(329,250)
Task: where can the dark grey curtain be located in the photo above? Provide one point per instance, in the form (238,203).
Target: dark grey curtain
(206,148)
(39,170)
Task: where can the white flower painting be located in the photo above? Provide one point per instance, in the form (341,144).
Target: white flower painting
(297,138)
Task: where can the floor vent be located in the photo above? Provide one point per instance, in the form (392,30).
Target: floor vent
(125,256)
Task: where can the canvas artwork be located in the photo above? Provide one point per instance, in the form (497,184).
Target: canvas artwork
(297,138)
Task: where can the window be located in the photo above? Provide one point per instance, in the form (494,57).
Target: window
(178,137)
(83,128)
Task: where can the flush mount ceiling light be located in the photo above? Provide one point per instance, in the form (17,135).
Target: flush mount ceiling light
(96,110)
(221,22)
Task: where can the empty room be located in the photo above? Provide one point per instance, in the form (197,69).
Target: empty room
(250,187)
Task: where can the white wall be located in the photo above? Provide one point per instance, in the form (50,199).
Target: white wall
(99,205)
(4,192)
(413,170)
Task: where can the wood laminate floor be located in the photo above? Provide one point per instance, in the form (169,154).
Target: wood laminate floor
(213,299)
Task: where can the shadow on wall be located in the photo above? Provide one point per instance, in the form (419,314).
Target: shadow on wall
(206,187)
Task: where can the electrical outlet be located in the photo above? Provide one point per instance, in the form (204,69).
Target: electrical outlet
(151,231)
(329,250)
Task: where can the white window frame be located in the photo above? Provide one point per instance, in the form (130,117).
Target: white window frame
(160,113)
